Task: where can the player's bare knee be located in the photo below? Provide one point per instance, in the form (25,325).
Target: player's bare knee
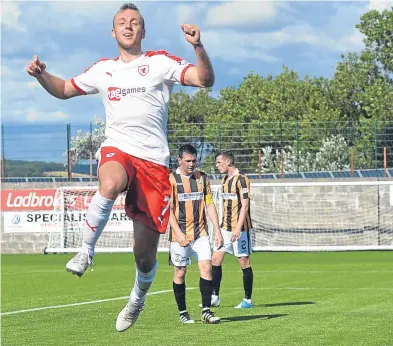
(145,263)
(111,189)
(244,262)
(217,259)
(180,274)
(113,179)
(205,269)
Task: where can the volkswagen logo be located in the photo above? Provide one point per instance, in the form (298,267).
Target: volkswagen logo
(15,219)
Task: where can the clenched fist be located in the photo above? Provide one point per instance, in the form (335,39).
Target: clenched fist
(192,34)
(35,67)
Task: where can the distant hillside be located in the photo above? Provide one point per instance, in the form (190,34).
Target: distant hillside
(19,168)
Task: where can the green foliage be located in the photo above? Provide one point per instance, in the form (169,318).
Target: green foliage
(19,168)
(333,155)
(83,144)
(378,30)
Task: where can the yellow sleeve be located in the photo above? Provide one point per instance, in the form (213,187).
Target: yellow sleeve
(208,191)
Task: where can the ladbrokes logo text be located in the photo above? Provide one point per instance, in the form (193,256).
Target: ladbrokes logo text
(115,94)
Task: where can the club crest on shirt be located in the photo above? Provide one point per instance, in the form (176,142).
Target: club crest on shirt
(143,70)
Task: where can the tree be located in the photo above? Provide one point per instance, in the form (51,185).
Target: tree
(272,111)
(191,120)
(362,88)
(378,30)
(332,155)
(82,144)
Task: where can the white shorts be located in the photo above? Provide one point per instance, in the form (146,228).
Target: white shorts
(181,256)
(239,248)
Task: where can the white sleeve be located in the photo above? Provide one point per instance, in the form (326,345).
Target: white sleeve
(175,68)
(86,82)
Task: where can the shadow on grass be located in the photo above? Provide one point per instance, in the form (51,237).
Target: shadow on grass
(285,304)
(251,317)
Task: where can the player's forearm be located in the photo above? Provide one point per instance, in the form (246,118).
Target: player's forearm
(212,212)
(53,85)
(174,224)
(242,216)
(204,67)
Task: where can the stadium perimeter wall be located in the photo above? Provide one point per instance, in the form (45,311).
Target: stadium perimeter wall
(29,243)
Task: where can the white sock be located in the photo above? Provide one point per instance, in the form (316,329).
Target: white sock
(96,219)
(142,283)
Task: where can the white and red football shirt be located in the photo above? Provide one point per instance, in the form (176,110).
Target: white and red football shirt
(136,96)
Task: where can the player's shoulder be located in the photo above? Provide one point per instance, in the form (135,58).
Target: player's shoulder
(241,178)
(242,175)
(163,55)
(200,174)
(173,176)
(102,63)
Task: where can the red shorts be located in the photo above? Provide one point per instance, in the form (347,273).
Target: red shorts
(148,188)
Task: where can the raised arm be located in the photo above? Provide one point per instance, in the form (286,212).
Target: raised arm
(203,74)
(57,87)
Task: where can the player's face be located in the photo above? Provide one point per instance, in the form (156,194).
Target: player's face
(187,163)
(222,165)
(128,29)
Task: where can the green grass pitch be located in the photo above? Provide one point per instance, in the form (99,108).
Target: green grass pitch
(337,298)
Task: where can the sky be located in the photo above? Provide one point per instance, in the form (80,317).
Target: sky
(239,36)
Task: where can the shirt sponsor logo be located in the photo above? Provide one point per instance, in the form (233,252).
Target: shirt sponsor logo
(193,196)
(231,196)
(115,94)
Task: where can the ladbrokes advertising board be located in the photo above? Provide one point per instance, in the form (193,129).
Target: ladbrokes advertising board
(48,210)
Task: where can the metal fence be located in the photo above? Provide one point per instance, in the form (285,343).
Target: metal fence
(259,148)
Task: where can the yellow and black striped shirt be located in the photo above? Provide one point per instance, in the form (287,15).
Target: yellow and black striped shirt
(188,198)
(235,189)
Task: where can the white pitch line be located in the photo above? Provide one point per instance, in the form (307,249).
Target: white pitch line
(82,303)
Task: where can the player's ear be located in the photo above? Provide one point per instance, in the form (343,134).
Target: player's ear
(113,34)
(143,33)
(179,161)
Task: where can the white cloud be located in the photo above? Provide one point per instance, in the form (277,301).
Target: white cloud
(32,85)
(87,8)
(5,71)
(257,45)
(69,16)
(351,42)
(191,13)
(380,5)
(10,14)
(34,115)
(24,99)
(234,71)
(236,46)
(242,13)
